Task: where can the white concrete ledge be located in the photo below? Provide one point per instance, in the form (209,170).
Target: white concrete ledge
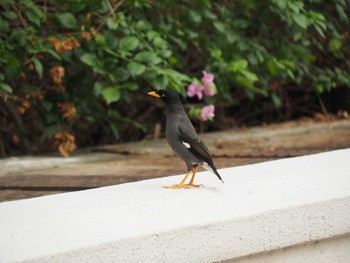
(261,208)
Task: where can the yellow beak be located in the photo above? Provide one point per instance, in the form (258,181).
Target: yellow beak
(154,94)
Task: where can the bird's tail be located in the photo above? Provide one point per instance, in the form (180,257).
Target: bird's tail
(212,168)
(217,174)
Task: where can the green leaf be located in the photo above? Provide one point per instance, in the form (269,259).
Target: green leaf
(111,23)
(92,61)
(160,42)
(111,94)
(148,57)
(287,63)
(33,17)
(38,67)
(53,53)
(115,130)
(276,100)
(238,65)
(129,43)
(67,20)
(165,53)
(341,13)
(194,16)
(248,84)
(130,86)
(141,25)
(88,59)
(274,66)
(9,15)
(49,129)
(111,38)
(152,35)
(100,40)
(20,37)
(121,74)
(99,86)
(47,105)
(219,26)
(335,44)
(160,82)
(4,25)
(301,20)
(5,87)
(232,37)
(241,23)
(135,68)
(249,75)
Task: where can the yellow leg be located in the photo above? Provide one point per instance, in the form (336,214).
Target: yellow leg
(182,183)
(191,184)
(193,174)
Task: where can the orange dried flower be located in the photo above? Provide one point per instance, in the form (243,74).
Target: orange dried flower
(26,104)
(88,16)
(93,31)
(20,109)
(30,67)
(38,95)
(86,36)
(71,43)
(22,74)
(65,143)
(57,87)
(57,44)
(15,139)
(57,74)
(68,110)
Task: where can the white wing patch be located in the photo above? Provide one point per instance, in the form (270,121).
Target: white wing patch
(187,145)
(206,166)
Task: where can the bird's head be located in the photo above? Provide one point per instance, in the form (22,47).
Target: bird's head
(167,96)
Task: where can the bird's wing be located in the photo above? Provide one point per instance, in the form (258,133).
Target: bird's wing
(192,141)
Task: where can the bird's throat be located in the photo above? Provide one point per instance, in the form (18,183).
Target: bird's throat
(175,108)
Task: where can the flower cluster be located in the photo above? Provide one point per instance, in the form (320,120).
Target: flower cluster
(64,142)
(69,44)
(208,112)
(204,88)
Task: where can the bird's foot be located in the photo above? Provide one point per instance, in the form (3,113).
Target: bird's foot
(192,185)
(185,186)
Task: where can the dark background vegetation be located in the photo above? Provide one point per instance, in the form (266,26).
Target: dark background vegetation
(77,72)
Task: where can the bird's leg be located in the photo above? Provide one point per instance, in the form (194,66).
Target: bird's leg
(191,184)
(181,184)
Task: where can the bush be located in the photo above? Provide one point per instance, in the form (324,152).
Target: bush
(75,67)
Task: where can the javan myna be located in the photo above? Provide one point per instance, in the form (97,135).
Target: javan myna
(183,138)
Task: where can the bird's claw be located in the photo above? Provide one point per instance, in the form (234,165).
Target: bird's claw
(185,186)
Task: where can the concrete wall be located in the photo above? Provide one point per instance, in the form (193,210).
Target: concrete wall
(329,250)
(267,212)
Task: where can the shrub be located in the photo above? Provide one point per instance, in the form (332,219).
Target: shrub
(69,67)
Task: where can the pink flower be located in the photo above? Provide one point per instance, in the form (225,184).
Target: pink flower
(208,78)
(209,91)
(195,89)
(208,112)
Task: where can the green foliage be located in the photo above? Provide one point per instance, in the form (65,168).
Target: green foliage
(110,50)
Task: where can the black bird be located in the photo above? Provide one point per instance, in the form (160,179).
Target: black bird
(183,139)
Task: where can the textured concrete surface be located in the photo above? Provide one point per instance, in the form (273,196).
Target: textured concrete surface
(260,208)
(332,250)
(31,176)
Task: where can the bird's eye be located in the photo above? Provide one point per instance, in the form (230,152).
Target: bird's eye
(162,95)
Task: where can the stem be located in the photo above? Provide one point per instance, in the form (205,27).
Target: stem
(111,12)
